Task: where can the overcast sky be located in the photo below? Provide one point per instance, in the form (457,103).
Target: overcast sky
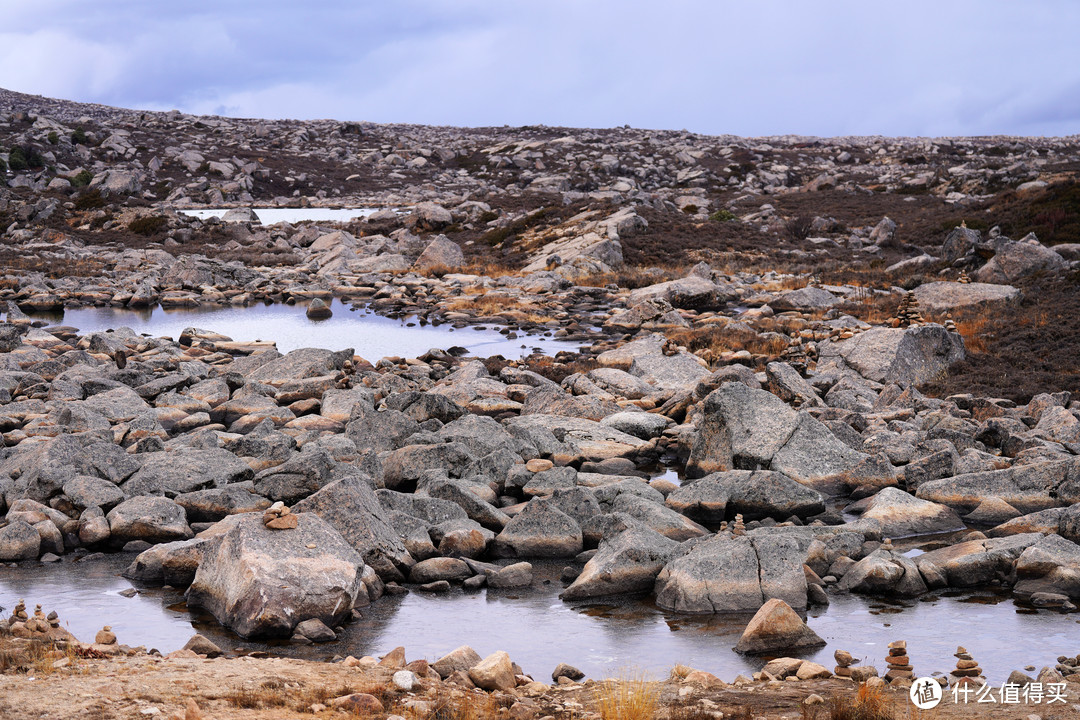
(759,67)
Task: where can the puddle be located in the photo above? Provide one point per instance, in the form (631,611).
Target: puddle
(540,631)
(270,216)
(372,336)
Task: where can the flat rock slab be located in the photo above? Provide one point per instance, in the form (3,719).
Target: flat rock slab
(726,574)
(586,438)
(939,296)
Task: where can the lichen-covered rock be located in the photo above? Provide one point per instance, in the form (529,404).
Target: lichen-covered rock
(260,582)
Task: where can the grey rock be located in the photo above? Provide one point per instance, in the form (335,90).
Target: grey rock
(901,514)
(19,541)
(153,519)
(214,504)
(86,491)
(625,563)
(350,506)
(1014,261)
(261,582)
(186,470)
(539,530)
(776,628)
(725,574)
(753,494)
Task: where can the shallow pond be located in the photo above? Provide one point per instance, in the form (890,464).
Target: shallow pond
(270,216)
(372,336)
(539,630)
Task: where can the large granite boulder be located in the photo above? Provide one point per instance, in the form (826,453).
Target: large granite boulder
(262,582)
(351,507)
(910,356)
(755,494)
(726,574)
(901,514)
(1017,260)
(149,518)
(1051,565)
(186,470)
(626,563)
(979,562)
(540,530)
(944,295)
(691,292)
(1025,487)
(19,541)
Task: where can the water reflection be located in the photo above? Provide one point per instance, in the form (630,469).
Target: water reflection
(540,631)
(372,336)
(270,216)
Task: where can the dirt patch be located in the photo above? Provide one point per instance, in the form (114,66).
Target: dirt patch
(140,686)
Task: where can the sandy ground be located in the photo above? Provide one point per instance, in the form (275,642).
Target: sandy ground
(143,686)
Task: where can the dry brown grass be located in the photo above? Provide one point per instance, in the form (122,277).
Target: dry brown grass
(873,309)
(794,282)
(274,694)
(51,267)
(462,705)
(509,308)
(491,269)
(973,330)
(632,277)
(709,343)
(868,704)
(634,698)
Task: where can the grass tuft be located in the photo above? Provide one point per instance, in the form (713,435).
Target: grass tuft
(627,699)
(868,704)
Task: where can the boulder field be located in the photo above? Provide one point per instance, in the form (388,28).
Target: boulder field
(288,491)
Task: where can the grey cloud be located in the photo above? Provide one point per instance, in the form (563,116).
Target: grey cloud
(748,68)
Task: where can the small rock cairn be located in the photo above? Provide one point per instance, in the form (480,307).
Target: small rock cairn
(39,622)
(950,325)
(898,661)
(963,279)
(344,379)
(908,314)
(844,661)
(967,670)
(846,667)
(795,354)
(105,636)
(19,613)
(279,517)
(739,528)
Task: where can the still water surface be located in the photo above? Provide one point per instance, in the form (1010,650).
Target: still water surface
(371,336)
(270,216)
(540,631)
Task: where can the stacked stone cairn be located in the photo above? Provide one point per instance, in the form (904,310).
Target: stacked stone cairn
(844,661)
(21,622)
(949,324)
(846,668)
(967,670)
(963,279)
(899,663)
(795,354)
(908,314)
(19,613)
(279,517)
(739,528)
(344,379)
